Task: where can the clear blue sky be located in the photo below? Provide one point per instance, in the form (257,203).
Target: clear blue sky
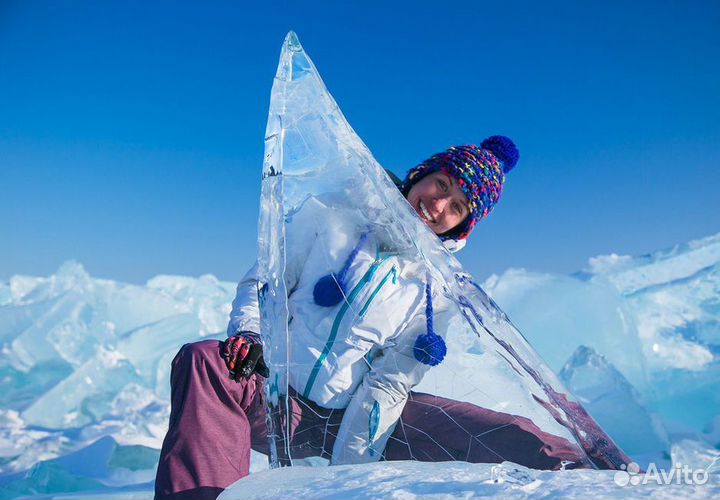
(131,132)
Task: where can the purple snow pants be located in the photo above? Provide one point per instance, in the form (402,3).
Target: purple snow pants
(214,421)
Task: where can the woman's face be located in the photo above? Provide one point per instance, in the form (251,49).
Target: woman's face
(439,202)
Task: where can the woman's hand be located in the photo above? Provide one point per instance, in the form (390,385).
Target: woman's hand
(244,355)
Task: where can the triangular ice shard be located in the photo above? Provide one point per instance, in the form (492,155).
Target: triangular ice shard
(380,345)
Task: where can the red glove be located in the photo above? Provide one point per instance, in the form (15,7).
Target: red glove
(243,355)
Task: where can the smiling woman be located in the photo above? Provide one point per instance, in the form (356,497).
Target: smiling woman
(439,202)
(454,190)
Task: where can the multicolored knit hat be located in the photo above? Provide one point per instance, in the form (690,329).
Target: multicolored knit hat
(480,173)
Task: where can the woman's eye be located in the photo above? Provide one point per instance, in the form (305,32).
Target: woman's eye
(443,186)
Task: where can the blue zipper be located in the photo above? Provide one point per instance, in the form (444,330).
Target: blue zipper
(338,319)
(392,272)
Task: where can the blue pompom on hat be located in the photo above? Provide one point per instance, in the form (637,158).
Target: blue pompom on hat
(504,150)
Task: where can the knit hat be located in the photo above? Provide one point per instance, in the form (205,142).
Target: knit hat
(480,173)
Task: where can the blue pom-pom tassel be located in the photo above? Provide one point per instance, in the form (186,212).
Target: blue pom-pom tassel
(430,349)
(328,291)
(504,149)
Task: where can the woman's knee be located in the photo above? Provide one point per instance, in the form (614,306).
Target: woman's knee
(202,348)
(203,352)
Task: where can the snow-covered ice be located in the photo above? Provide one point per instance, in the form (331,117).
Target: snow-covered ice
(662,336)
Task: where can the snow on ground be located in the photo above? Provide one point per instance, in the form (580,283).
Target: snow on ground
(421,480)
(411,480)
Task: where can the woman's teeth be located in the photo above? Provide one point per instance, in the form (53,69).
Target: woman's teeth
(425,212)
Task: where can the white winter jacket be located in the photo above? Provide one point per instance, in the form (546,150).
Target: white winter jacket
(357,355)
